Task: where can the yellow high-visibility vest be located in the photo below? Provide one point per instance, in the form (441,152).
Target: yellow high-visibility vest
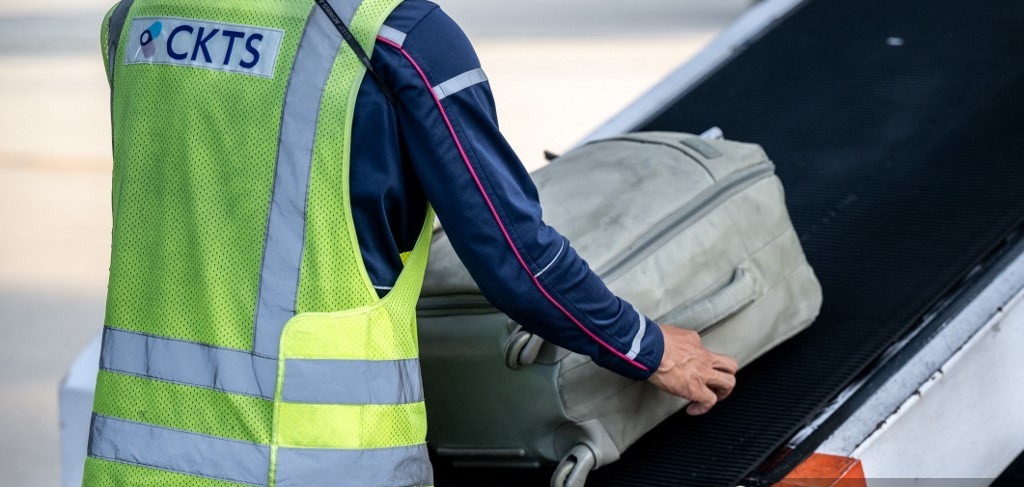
(244,344)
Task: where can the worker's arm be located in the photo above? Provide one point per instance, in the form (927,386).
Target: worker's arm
(489,207)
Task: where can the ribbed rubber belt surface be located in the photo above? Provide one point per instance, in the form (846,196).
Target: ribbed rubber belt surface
(903,167)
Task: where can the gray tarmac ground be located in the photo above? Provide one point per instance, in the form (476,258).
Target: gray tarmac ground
(558,69)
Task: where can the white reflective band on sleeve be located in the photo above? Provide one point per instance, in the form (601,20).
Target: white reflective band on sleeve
(559,254)
(392,34)
(459,83)
(634,350)
(233,48)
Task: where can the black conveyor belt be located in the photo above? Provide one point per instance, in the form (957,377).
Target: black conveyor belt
(903,162)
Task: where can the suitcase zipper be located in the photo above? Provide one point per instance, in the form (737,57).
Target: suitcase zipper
(663,231)
(684,217)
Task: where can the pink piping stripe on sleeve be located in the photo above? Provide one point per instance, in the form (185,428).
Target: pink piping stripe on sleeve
(494,212)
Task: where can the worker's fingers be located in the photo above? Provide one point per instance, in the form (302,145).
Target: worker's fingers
(721,383)
(703,400)
(722,393)
(724,363)
(691,371)
(695,409)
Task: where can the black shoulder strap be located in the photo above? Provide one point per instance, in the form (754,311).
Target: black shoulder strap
(114,26)
(354,44)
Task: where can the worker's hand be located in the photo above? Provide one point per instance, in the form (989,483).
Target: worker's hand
(690,371)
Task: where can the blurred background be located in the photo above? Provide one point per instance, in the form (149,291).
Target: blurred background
(558,70)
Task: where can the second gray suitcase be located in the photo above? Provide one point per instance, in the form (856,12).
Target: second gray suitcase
(692,232)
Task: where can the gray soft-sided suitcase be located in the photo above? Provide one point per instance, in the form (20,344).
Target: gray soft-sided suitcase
(693,232)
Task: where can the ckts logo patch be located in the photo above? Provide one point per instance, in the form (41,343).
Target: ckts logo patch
(218,46)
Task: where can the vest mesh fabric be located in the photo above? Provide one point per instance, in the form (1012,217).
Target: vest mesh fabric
(193,170)
(330,242)
(105,473)
(195,152)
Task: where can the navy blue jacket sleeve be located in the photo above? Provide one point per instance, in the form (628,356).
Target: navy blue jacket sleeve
(489,206)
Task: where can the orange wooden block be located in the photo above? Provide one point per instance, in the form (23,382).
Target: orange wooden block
(822,470)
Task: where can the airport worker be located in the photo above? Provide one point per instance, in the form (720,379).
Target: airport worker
(271,229)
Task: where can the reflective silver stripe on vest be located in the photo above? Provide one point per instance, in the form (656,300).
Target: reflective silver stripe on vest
(459,83)
(346,10)
(240,372)
(384,467)
(392,34)
(286,224)
(249,463)
(179,451)
(189,363)
(352,382)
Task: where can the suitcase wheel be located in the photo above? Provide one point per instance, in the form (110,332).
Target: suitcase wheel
(521,348)
(574,468)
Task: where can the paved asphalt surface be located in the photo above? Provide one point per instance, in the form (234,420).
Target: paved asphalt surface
(558,70)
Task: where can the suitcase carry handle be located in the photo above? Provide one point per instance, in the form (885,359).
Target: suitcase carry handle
(702,315)
(523,347)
